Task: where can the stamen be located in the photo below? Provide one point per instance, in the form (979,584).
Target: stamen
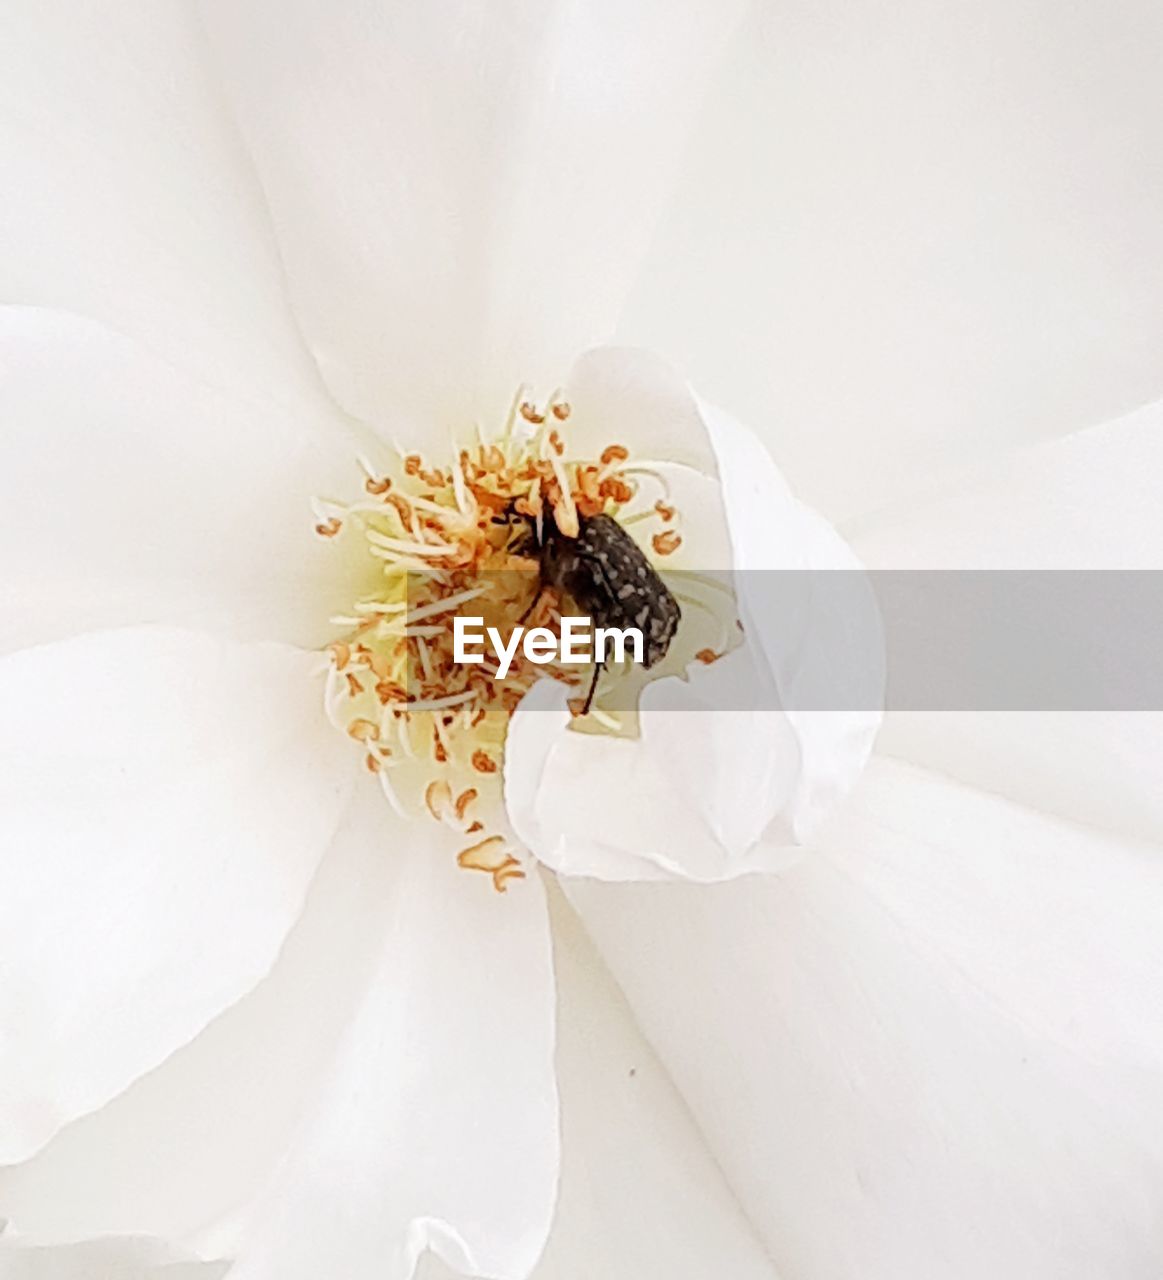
(447,603)
(490,855)
(460,489)
(425,658)
(442,537)
(438,798)
(405,547)
(364,730)
(651,472)
(435,704)
(390,792)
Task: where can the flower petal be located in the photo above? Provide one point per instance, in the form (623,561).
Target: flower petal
(715,785)
(438,1126)
(111,1259)
(640,1194)
(183,1152)
(931,1048)
(908,236)
(633,397)
(133,493)
(690,798)
(137,204)
(166,798)
(461,191)
(1087,502)
(816,646)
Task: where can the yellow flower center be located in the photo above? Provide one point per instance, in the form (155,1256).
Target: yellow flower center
(445,537)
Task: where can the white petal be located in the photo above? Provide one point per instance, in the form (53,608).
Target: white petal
(815,647)
(932,1048)
(112,1259)
(908,236)
(133,200)
(183,1152)
(134,493)
(640,1193)
(462,191)
(720,781)
(438,1125)
(690,798)
(166,799)
(633,397)
(641,1196)
(1089,501)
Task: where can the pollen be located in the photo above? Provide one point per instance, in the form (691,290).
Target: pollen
(491,855)
(438,799)
(454,534)
(340,653)
(363,730)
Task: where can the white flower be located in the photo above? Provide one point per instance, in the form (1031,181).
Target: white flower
(174,783)
(227,968)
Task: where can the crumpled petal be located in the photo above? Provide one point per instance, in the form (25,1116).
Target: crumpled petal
(711,788)
(437,1128)
(931,1048)
(688,799)
(131,198)
(1090,501)
(461,190)
(831,637)
(165,798)
(134,493)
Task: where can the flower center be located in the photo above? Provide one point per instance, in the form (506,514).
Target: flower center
(443,538)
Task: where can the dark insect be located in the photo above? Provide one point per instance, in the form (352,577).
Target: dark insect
(605,573)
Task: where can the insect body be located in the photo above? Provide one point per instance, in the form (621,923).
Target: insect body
(605,573)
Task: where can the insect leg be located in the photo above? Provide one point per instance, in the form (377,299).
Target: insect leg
(598,666)
(538,596)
